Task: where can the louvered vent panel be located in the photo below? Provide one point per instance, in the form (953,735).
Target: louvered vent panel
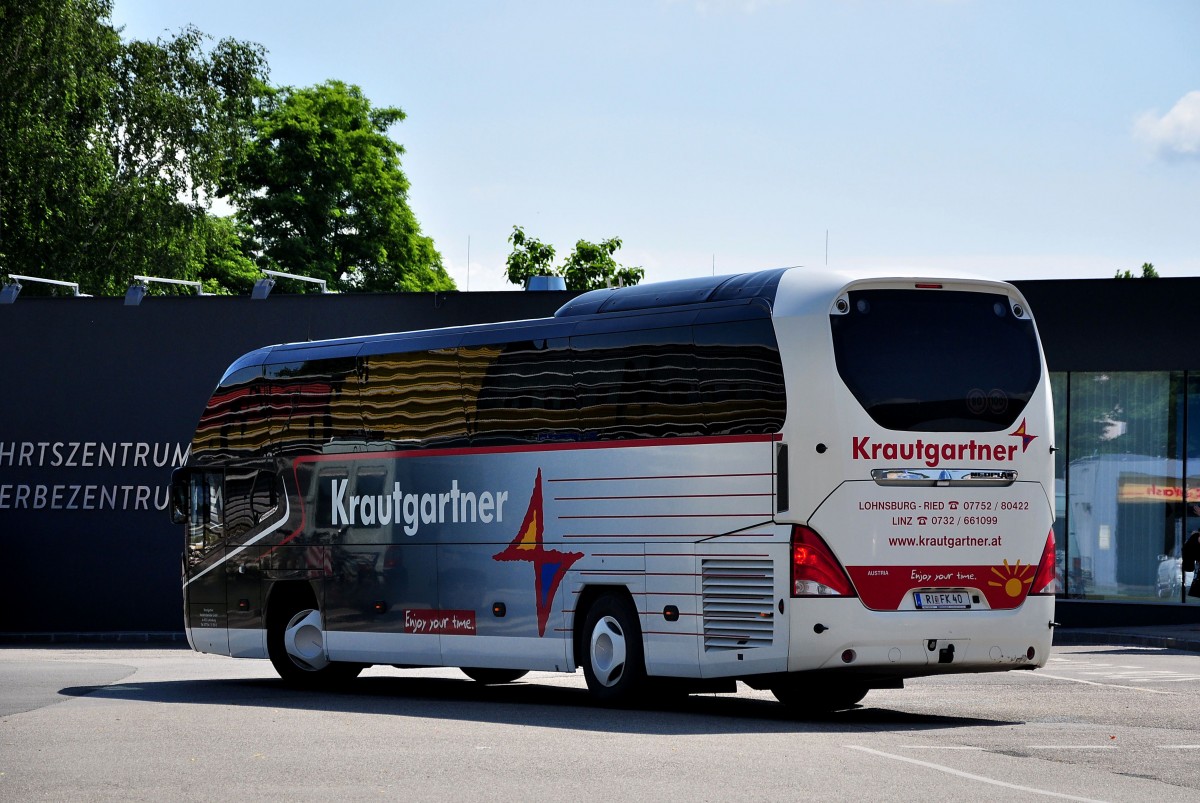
(739,603)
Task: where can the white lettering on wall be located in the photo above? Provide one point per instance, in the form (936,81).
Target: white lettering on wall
(23,496)
(92,454)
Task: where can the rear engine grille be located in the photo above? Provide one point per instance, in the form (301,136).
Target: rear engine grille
(739,603)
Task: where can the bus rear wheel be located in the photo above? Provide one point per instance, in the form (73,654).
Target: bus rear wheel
(614,662)
(296,647)
(815,697)
(493,677)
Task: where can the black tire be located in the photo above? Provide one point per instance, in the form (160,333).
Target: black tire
(492,677)
(816,697)
(614,661)
(294,670)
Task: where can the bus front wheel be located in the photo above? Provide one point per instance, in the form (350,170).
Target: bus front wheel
(614,661)
(296,647)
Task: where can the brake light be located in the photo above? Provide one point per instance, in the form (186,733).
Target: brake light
(815,571)
(1045,581)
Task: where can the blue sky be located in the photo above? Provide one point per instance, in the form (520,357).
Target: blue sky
(1014,140)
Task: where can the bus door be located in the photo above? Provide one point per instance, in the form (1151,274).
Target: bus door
(200,505)
(251,507)
(380,578)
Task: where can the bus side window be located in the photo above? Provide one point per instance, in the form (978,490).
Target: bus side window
(741,377)
(413,398)
(206,513)
(239,514)
(265,496)
(636,384)
(313,403)
(526,392)
(249,496)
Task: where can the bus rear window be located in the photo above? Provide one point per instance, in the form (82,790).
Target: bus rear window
(937,360)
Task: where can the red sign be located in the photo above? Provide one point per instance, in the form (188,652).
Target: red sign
(1154,489)
(884,588)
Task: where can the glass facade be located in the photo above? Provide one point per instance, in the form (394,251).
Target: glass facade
(1127,482)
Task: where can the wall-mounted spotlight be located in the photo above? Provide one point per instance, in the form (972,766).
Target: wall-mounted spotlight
(135,294)
(263,287)
(137,290)
(13,289)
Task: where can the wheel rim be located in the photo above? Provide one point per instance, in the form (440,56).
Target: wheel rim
(607,652)
(304,641)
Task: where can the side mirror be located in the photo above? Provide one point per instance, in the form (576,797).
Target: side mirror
(180,487)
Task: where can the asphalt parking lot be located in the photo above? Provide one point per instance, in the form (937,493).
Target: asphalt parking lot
(114,723)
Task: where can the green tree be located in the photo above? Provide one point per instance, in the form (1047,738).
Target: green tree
(590,266)
(322,187)
(181,116)
(57,69)
(228,266)
(1148,272)
(109,151)
(529,257)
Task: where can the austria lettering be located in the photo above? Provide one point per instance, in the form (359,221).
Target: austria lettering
(931,454)
(412,510)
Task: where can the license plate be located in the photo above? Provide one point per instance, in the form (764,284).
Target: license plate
(942,600)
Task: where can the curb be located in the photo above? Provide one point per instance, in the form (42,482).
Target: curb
(1084,638)
(158,639)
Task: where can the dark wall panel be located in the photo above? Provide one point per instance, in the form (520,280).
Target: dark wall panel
(98,405)
(1117,324)
(98,402)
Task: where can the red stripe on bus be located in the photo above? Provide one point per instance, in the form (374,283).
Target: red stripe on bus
(544,447)
(654,496)
(664,477)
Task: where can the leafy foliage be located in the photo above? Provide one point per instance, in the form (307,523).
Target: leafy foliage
(1148,272)
(57,67)
(589,266)
(529,257)
(111,151)
(321,186)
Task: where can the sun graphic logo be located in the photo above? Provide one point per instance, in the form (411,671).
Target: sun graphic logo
(1013,579)
(549,565)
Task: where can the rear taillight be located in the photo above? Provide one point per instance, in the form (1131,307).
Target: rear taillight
(1045,580)
(815,571)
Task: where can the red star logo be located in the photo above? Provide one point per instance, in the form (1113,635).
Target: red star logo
(549,565)
(1025,437)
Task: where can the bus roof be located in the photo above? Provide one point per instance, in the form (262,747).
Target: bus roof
(705,289)
(667,301)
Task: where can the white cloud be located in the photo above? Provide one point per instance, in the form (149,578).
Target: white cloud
(1176,134)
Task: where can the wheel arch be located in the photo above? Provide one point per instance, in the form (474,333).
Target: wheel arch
(586,599)
(284,594)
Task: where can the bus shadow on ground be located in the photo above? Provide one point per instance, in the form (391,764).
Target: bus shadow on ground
(532,704)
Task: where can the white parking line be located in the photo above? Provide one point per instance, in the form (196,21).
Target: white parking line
(968,775)
(1094,683)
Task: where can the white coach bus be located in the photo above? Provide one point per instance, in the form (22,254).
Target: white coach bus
(814,482)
